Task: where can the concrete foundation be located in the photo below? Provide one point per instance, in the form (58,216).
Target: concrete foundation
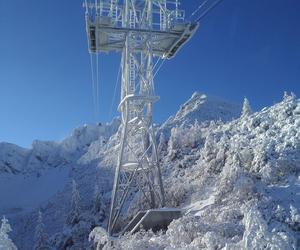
(155,219)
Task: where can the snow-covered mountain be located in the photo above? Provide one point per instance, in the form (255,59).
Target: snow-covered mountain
(45,155)
(31,178)
(204,109)
(236,179)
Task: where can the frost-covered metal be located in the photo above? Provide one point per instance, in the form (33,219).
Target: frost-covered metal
(144,31)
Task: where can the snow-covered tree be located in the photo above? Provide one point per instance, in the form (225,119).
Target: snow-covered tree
(173,143)
(97,200)
(288,97)
(79,235)
(246,111)
(99,236)
(79,222)
(163,144)
(5,242)
(257,235)
(75,233)
(74,214)
(285,96)
(294,219)
(41,238)
(97,207)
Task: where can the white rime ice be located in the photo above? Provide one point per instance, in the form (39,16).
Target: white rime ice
(5,242)
(41,238)
(233,172)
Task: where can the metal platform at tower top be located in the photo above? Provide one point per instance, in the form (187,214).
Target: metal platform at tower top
(169,32)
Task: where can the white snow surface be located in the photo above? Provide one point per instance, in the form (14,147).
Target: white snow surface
(24,193)
(236,179)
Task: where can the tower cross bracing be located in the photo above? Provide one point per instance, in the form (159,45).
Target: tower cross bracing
(144,32)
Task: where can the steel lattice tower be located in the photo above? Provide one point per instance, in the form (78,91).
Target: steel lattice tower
(146,32)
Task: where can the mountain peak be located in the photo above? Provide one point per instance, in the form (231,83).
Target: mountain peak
(202,107)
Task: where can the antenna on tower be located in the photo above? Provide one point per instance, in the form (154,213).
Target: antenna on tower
(144,32)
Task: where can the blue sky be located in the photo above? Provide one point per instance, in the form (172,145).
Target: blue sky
(243,48)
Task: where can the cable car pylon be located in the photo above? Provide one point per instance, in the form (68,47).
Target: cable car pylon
(144,32)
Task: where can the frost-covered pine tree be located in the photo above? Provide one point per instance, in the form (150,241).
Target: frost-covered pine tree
(74,214)
(5,242)
(97,200)
(294,217)
(246,108)
(287,97)
(98,210)
(99,237)
(41,238)
(163,144)
(174,143)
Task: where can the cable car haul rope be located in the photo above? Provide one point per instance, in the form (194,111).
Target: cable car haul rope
(204,8)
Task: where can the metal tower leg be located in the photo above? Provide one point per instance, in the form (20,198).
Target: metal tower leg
(138,166)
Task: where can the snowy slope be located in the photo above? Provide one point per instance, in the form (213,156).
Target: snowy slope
(238,184)
(237,180)
(24,193)
(43,170)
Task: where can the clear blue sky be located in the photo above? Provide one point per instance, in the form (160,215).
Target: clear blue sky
(243,48)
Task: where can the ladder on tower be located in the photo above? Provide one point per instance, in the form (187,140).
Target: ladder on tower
(131,59)
(114,10)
